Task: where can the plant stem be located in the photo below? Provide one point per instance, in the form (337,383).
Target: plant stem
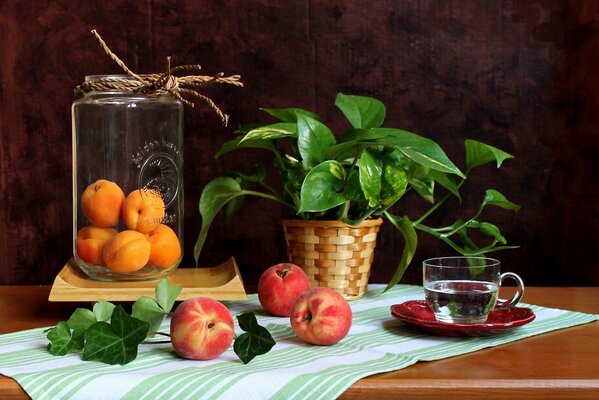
(269,188)
(439,203)
(344,211)
(267,196)
(158,341)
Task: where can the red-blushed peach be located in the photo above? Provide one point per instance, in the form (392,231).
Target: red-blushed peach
(143,210)
(201,328)
(321,316)
(101,203)
(90,241)
(279,286)
(127,251)
(165,247)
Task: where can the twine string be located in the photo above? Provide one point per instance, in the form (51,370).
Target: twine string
(158,84)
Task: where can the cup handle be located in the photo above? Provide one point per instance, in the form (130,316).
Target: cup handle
(503,304)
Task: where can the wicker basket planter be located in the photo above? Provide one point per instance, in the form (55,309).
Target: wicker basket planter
(333,254)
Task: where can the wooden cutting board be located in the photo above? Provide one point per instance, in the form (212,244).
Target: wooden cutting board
(222,282)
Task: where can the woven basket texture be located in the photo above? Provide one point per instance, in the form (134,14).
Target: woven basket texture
(333,254)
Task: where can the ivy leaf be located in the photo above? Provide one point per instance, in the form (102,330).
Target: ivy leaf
(81,319)
(79,322)
(152,310)
(147,309)
(166,294)
(255,341)
(103,310)
(115,342)
(61,340)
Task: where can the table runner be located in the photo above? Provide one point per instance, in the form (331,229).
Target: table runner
(377,343)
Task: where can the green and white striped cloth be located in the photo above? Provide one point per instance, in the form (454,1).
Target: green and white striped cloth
(376,343)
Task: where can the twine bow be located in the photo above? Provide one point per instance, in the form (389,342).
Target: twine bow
(158,84)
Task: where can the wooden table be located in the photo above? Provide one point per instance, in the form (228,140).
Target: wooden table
(557,365)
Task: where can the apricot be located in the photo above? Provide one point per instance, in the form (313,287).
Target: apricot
(127,251)
(90,242)
(101,203)
(143,210)
(165,247)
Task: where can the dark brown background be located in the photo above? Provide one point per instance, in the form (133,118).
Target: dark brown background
(520,75)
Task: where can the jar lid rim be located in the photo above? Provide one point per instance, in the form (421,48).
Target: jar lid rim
(92,78)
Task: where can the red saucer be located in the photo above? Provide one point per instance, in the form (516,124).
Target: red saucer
(418,314)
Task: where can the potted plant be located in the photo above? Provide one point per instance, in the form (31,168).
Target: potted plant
(348,184)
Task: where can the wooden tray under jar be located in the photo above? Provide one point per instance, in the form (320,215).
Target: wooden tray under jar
(222,282)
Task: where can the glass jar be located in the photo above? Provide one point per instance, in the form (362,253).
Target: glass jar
(127,184)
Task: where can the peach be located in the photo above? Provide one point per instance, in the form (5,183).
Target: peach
(90,242)
(279,286)
(321,316)
(165,247)
(201,328)
(143,210)
(101,203)
(127,251)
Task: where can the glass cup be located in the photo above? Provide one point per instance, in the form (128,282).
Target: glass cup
(464,290)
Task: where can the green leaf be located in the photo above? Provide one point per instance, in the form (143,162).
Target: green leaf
(361,111)
(117,342)
(78,338)
(313,138)
(337,170)
(166,294)
(491,230)
(255,341)
(360,136)
(215,195)
(103,310)
(394,182)
(233,207)
(290,114)
(269,132)
(242,131)
(371,171)
(257,176)
(424,187)
(81,319)
(147,309)
(494,198)
(420,149)
(235,144)
(479,153)
(404,225)
(60,339)
(320,189)
(353,190)
(447,182)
